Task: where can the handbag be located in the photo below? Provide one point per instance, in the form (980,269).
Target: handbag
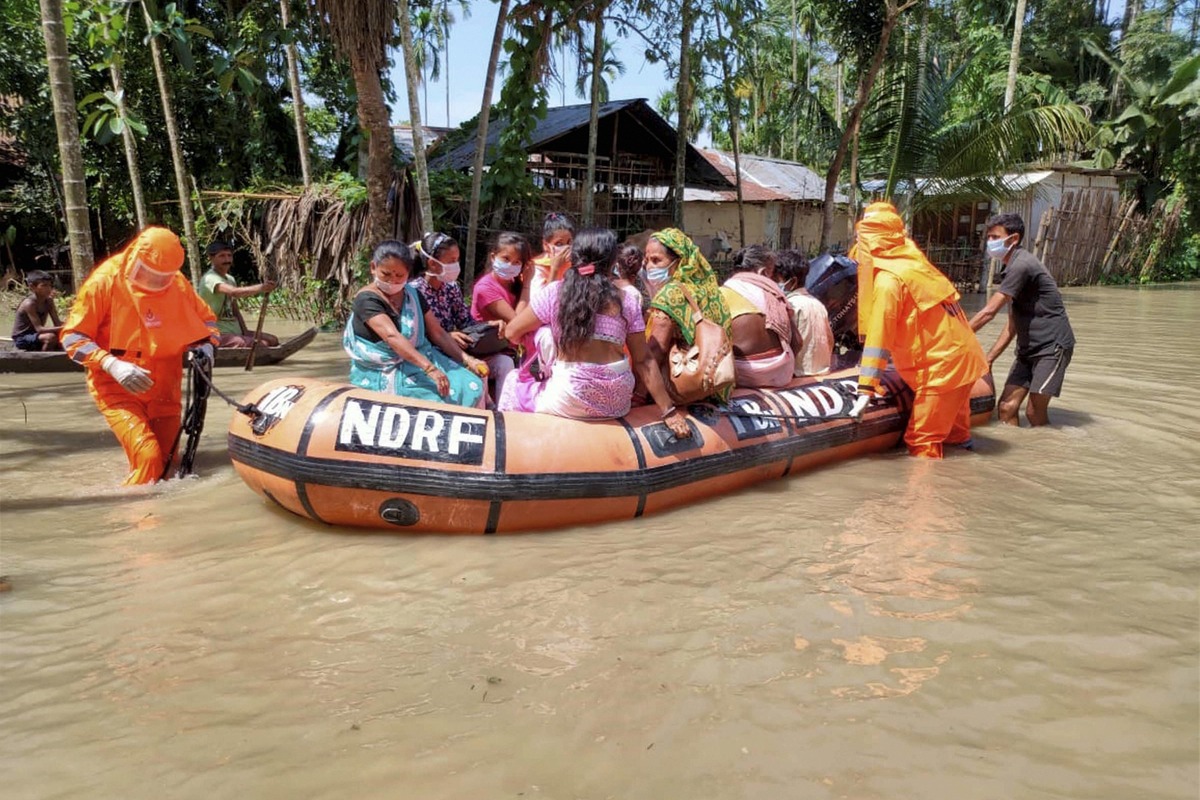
(703,369)
(485,339)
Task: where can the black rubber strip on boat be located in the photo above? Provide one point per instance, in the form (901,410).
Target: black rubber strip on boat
(407,479)
(641,460)
(302,448)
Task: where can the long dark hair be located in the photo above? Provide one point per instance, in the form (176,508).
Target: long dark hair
(511,239)
(582,296)
(557,221)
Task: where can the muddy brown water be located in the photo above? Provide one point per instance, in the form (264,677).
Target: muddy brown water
(1018,623)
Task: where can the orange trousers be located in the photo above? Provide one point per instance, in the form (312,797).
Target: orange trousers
(938,418)
(146,425)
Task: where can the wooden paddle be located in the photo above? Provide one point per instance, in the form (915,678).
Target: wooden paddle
(262,315)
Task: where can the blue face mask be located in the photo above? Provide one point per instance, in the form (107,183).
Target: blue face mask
(658,276)
(996,248)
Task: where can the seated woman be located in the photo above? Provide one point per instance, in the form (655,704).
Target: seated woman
(438,284)
(764,336)
(591,321)
(815,349)
(675,271)
(558,232)
(396,343)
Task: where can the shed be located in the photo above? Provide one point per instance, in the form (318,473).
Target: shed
(782,202)
(635,164)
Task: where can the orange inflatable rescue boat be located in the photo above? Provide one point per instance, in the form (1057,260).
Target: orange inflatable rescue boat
(343,455)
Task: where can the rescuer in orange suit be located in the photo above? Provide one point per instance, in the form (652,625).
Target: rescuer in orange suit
(132,321)
(908,311)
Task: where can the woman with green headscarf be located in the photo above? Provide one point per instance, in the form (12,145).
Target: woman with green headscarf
(675,269)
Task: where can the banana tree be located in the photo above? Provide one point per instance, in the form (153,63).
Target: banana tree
(1161,118)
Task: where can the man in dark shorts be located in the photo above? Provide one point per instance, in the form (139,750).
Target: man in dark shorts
(29,330)
(1037,318)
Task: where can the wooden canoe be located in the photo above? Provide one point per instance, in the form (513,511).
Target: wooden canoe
(14,360)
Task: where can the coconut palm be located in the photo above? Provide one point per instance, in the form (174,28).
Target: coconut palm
(62,92)
(360,30)
(910,134)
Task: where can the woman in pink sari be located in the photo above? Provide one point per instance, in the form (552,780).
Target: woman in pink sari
(764,335)
(592,321)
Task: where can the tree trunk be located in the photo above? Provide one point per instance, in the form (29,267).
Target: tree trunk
(795,81)
(839,93)
(375,122)
(684,106)
(70,152)
(481,142)
(589,188)
(732,104)
(1014,57)
(130,143)
(414,110)
(446,54)
(293,61)
(851,131)
(181,182)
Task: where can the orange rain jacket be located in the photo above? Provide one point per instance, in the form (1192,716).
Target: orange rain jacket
(150,329)
(909,312)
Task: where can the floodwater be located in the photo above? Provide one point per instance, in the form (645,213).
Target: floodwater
(1021,622)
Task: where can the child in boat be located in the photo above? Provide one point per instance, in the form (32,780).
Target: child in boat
(558,231)
(439,256)
(396,343)
(29,330)
(591,320)
(811,318)
(764,336)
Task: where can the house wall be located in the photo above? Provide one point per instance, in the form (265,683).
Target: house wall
(706,219)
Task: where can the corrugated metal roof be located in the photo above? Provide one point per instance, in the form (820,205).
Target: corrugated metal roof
(565,129)
(768,179)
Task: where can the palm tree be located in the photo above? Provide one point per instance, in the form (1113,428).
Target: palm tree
(597,69)
(361,30)
(154,29)
(293,62)
(411,76)
(892,11)
(62,92)
(910,131)
(485,111)
(611,68)
(1014,58)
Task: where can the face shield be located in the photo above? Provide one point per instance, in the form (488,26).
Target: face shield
(149,280)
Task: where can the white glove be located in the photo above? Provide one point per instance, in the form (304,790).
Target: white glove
(131,377)
(859,406)
(205,350)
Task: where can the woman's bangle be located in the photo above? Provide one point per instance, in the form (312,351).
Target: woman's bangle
(669,412)
(430,368)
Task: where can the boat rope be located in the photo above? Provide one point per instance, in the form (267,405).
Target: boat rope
(194,410)
(249,409)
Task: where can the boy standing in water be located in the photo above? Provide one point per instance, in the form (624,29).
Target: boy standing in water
(29,330)
(1045,341)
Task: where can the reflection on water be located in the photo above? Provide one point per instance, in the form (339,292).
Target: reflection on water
(1018,622)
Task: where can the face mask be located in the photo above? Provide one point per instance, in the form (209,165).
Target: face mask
(657,276)
(450,271)
(149,280)
(783,286)
(390,288)
(996,248)
(506,270)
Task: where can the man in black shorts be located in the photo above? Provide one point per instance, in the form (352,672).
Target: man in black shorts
(1037,318)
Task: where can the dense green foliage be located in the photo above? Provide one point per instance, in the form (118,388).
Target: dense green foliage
(1092,88)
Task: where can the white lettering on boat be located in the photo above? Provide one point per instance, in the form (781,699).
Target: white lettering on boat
(274,406)
(392,429)
(817,402)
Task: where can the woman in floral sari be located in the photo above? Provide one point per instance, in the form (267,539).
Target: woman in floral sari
(675,270)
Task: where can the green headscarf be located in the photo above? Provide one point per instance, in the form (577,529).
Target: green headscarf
(698,277)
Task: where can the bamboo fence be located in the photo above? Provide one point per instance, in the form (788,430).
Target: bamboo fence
(1093,236)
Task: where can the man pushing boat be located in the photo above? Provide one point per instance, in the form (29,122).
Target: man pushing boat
(908,312)
(132,320)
